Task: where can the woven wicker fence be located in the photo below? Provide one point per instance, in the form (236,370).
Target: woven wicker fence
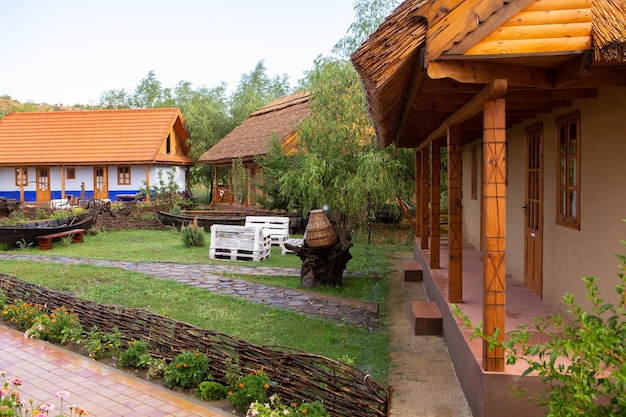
(345,390)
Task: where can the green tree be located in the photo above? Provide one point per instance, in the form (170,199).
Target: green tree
(368,16)
(254,91)
(338,163)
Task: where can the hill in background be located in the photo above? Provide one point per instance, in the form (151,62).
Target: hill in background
(7,105)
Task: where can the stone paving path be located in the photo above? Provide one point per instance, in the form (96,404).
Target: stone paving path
(208,277)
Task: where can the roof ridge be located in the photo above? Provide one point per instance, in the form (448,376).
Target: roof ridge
(65,112)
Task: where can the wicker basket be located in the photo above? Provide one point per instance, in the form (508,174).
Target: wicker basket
(319,231)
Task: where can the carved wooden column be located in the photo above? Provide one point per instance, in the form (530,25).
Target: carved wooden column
(494,203)
(424,199)
(418,193)
(435,204)
(455,216)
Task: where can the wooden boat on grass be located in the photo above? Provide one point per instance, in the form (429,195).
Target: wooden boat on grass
(28,232)
(206,219)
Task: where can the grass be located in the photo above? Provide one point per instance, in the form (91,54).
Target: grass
(367,350)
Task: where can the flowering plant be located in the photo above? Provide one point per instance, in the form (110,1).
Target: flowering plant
(276,408)
(187,370)
(12,404)
(248,389)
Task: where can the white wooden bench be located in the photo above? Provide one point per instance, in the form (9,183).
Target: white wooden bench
(239,243)
(278,227)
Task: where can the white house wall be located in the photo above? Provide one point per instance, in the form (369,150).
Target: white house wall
(85,174)
(568,254)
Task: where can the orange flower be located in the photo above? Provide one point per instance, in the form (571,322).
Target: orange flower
(178,365)
(241,385)
(305,411)
(266,386)
(185,366)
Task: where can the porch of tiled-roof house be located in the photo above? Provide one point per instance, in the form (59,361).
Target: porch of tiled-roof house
(489,394)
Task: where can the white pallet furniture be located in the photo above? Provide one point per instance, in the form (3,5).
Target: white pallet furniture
(278,227)
(239,243)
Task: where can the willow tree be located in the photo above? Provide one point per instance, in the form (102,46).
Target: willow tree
(338,162)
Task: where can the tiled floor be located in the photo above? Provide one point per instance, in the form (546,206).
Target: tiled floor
(100,390)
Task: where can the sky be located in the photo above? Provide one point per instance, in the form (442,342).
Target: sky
(71,51)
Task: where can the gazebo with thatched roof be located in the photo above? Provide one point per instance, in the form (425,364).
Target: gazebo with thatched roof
(278,119)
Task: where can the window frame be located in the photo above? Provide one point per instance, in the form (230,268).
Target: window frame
(70,173)
(124,178)
(568,211)
(23,176)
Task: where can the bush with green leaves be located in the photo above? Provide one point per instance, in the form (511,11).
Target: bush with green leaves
(212,391)
(248,389)
(22,313)
(102,345)
(59,326)
(136,355)
(583,365)
(193,235)
(187,370)
(275,407)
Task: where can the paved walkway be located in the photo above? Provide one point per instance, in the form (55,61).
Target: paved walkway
(208,277)
(98,389)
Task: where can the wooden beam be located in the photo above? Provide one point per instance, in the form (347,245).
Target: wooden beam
(435,204)
(482,73)
(424,199)
(418,193)
(416,81)
(496,88)
(494,203)
(455,214)
(489,26)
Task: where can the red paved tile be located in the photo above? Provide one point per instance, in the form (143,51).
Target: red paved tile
(99,389)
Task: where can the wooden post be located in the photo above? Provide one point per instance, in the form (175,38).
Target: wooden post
(148,182)
(63,182)
(424,199)
(455,215)
(418,193)
(494,202)
(435,204)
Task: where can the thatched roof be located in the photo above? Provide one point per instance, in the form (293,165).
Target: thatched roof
(430,58)
(279,118)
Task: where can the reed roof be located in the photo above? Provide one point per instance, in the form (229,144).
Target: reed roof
(280,118)
(429,58)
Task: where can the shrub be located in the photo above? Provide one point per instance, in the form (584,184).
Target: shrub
(212,391)
(157,369)
(187,370)
(136,355)
(23,314)
(275,407)
(60,326)
(103,345)
(248,389)
(192,235)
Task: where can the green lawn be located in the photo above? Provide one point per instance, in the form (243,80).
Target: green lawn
(368,350)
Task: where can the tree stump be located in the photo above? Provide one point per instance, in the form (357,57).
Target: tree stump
(324,266)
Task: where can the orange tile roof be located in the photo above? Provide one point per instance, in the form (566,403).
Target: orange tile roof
(91,137)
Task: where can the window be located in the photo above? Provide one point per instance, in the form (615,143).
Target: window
(568,169)
(21,176)
(123,175)
(70,173)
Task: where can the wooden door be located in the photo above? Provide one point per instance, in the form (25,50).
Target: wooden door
(533,209)
(100,183)
(43,184)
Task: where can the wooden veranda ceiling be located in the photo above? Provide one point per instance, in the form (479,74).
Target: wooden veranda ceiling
(428,62)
